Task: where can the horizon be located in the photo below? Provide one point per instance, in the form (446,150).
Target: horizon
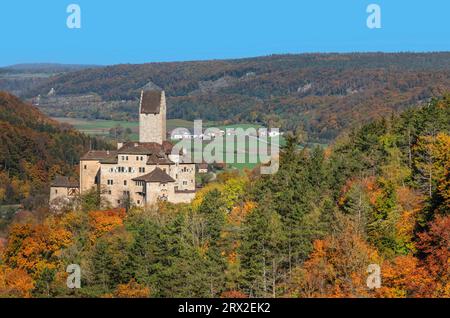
(175,31)
(50,63)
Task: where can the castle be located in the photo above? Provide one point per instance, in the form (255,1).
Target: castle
(139,172)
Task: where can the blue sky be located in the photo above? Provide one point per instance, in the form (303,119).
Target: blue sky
(137,31)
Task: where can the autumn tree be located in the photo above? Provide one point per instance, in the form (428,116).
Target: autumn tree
(337,266)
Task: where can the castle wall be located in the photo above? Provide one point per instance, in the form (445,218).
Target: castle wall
(117,178)
(122,181)
(163,112)
(58,192)
(59,196)
(152,127)
(186,197)
(88,173)
(185,176)
(156,190)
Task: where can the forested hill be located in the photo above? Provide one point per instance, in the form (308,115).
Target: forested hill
(322,93)
(379,195)
(33,149)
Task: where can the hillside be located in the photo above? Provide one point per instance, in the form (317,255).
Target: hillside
(33,149)
(20,78)
(46,67)
(378,196)
(321,93)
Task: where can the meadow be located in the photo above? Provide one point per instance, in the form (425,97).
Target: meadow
(102,128)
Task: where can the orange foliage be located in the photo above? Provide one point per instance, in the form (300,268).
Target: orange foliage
(336,267)
(404,277)
(435,245)
(132,290)
(444,186)
(368,184)
(411,202)
(233,294)
(239,213)
(15,282)
(102,222)
(35,247)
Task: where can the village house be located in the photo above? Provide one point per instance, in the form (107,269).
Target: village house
(140,173)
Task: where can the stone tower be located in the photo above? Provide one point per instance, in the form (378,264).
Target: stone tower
(152,116)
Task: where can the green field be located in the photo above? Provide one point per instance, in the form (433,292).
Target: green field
(102,127)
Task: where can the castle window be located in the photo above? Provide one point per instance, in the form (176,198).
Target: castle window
(126,158)
(184,182)
(138,201)
(109,192)
(85,167)
(137,158)
(142,158)
(125,182)
(56,191)
(118,201)
(110,182)
(123,158)
(130,169)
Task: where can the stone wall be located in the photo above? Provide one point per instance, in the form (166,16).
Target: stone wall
(132,167)
(152,127)
(88,172)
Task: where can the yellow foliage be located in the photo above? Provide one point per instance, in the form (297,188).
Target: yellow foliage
(15,283)
(240,212)
(35,247)
(102,222)
(132,290)
(403,277)
(337,267)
